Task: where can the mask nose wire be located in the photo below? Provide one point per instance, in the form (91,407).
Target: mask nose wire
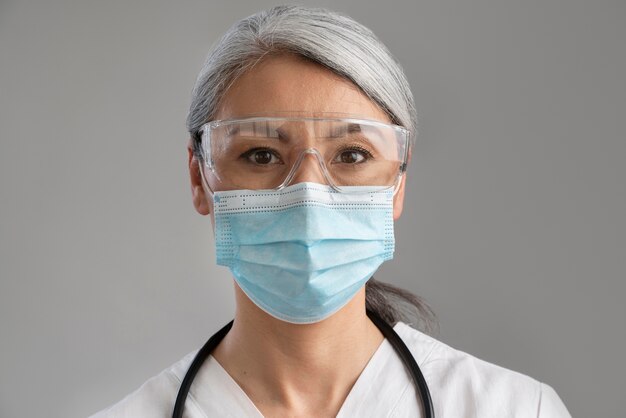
(296,166)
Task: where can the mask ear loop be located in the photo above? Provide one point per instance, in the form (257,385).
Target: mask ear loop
(396,187)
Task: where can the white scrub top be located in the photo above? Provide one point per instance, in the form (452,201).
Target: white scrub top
(460,386)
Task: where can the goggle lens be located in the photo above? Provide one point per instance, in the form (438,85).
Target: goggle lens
(264,153)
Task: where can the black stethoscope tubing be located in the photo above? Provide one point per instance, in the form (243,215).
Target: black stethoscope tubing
(389,333)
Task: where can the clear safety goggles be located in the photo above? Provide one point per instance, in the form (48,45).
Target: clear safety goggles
(270,152)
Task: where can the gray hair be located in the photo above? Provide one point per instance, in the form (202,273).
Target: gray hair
(337,42)
(345,47)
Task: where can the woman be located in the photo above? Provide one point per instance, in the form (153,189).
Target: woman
(301,126)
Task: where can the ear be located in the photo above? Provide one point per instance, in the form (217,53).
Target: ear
(398,199)
(198,193)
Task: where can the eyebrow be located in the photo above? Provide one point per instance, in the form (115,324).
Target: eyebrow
(353,127)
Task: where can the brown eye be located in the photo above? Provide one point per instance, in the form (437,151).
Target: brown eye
(351,157)
(260,156)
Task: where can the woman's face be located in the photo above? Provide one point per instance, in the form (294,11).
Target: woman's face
(286,83)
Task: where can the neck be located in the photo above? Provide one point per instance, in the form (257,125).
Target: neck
(293,368)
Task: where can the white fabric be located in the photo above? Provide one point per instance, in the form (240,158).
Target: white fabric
(460,385)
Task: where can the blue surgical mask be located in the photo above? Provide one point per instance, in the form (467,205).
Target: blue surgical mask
(301,253)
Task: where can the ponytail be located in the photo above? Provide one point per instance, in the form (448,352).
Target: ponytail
(394,304)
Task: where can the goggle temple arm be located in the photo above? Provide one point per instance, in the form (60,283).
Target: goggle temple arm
(205,148)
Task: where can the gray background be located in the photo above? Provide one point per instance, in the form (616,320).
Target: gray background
(513,230)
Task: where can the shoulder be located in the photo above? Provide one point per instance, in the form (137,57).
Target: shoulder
(155,398)
(463,385)
(451,365)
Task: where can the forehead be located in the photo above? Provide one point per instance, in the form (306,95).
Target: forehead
(287,83)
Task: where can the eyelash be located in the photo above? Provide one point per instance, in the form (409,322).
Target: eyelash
(366,154)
